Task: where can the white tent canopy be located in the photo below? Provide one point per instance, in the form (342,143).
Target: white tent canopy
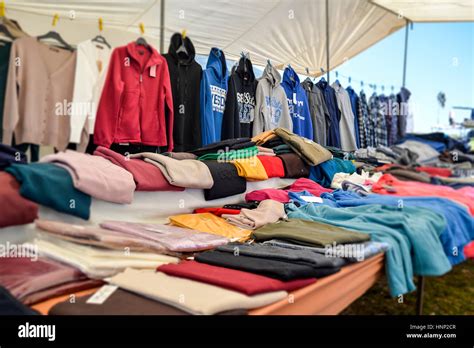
(284,31)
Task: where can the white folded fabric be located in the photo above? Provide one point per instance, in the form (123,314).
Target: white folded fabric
(189,295)
(97,263)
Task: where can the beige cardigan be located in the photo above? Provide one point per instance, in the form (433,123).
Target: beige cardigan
(39,88)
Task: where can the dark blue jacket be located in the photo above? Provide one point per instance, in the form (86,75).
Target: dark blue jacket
(334,137)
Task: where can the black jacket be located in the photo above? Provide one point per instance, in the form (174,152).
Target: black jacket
(185,76)
(240,103)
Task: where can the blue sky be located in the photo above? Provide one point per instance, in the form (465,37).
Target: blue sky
(440,58)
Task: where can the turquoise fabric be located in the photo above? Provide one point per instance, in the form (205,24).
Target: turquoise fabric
(324,172)
(412,232)
(52,186)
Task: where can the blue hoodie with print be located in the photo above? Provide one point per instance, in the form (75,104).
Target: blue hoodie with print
(213,96)
(298,104)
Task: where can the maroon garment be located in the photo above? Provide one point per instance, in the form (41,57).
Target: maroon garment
(15,210)
(244,282)
(23,276)
(281,195)
(217,211)
(147,176)
(273,166)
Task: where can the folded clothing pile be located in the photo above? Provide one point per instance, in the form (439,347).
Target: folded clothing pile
(268,211)
(227,181)
(9,155)
(324,173)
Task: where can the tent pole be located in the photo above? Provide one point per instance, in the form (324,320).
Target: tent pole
(420,293)
(327,40)
(405,54)
(162,26)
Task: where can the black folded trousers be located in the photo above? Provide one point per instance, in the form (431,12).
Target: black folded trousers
(270,268)
(227,181)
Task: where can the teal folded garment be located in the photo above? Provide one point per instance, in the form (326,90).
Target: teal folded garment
(281,149)
(412,232)
(324,172)
(226,156)
(50,185)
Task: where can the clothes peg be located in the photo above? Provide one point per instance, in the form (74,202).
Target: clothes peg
(393,88)
(142,28)
(101,24)
(269,62)
(55,19)
(361,84)
(349,79)
(337,74)
(183,34)
(307,71)
(383,88)
(322,70)
(2,9)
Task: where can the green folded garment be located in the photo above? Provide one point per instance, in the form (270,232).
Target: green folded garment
(308,233)
(281,149)
(226,156)
(50,185)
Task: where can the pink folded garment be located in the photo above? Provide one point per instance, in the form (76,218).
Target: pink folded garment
(96,236)
(25,276)
(263,151)
(281,195)
(96,176)
(147,176)
(173,238)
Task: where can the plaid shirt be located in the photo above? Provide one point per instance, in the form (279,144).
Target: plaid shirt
(363,118)
(378,124)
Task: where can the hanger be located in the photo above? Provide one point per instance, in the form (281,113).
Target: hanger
(182,48)
(99,38)
(322,78)
(245,56)
(54,35)
(141,40)
(269,63)
(337,80)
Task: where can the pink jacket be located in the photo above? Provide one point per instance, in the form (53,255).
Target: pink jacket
(136,105)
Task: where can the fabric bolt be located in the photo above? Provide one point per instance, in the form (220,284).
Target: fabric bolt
(318,110)
(278,269)
(185,77)
(16,210)
(458,232)
(324,173)
(281,195)
(271,109)
(268,211)
(311,152)
(388,184)
(264,137)
(294,166)
(310,233)
(147,176)
(95,176)
(9,155)
(412,232)
(169,290)
(227,181)
(136,105)
(230,155)
(122,302)
(243,282)
(35,88)
(171,238)
(362,251)
(177,171)
(217,211)
(346,124)
(9,305)
(209,223)
(24,276)
(240,103)
(250,169)
(273,166)
(330,99)
(52,186)
(97,263)
(271,252)
(91,70)
(214,85)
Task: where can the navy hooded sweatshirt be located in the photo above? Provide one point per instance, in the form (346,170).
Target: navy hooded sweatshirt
(213,96)
(298,104)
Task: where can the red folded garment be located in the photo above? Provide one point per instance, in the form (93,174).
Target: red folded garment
(147,176)
(217,211)
(273,166)
(434,171)
(281,195)
(15,210)
(244,282)
(469,250)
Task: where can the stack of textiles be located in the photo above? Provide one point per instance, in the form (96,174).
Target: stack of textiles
(35,280)
(227,181)
(324,173)
(268,211)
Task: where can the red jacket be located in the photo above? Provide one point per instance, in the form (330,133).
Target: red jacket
(136,105)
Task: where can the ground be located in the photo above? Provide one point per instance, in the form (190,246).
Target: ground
(451,294)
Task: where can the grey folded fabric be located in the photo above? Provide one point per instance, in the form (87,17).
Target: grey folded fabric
(268,211)
(180,155)
(183,173)
(298,255)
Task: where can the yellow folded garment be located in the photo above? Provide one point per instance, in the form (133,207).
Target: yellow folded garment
(251,169)
(210,223)
(263,137)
